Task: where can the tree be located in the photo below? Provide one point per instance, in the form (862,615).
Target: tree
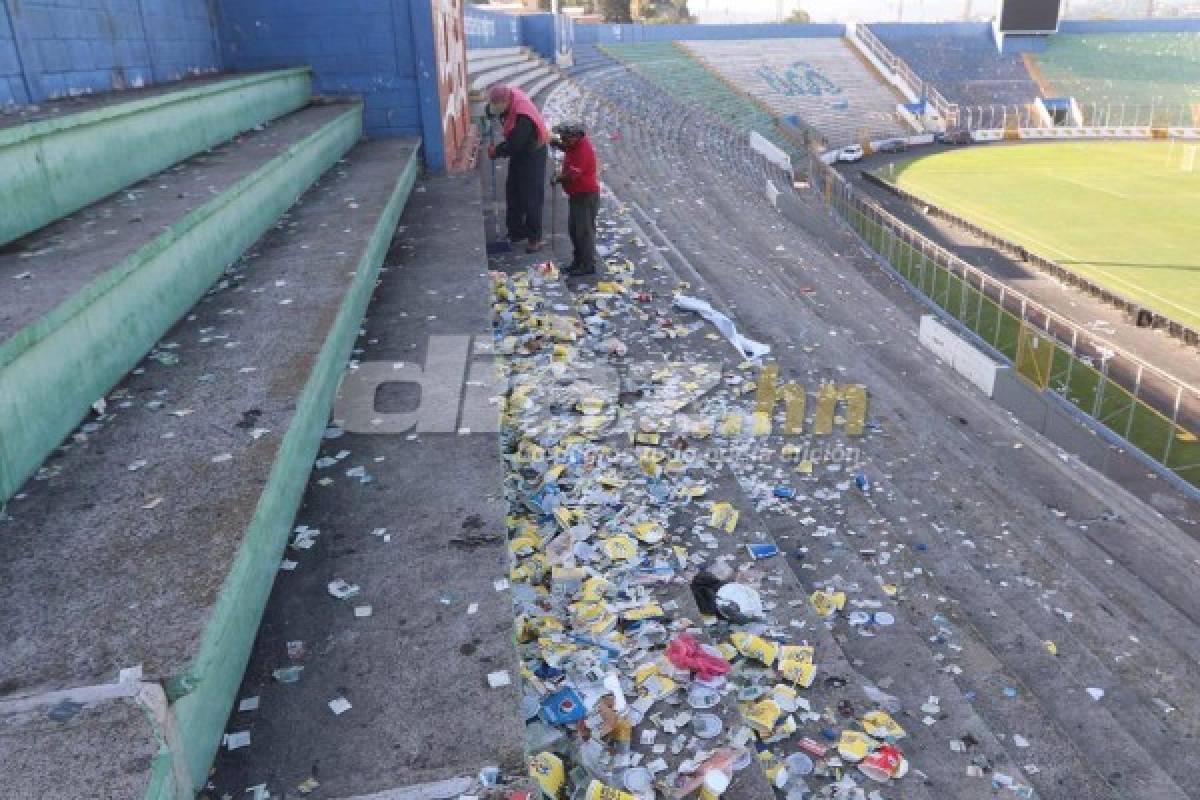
(616,10)
(799,17)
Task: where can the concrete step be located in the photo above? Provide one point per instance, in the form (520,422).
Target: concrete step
(416,669)
(485,53)
(542,84)
(175,506)
(528,79)
(74,153)
(476,66)
(531,81)
(510,73)
(101,741)
(92,293)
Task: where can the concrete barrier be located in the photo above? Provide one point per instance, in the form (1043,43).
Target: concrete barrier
(960,354)
(770,152)
(55,166)
(51,371)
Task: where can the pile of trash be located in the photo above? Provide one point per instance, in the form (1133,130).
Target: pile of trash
(656,661)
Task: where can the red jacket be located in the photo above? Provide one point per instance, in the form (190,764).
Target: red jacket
(579,169)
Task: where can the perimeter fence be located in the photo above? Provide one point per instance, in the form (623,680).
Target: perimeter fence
(1156,412)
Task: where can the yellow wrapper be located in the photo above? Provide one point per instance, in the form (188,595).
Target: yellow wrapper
(547,769)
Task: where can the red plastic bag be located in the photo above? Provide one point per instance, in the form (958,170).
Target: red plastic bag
(686,653)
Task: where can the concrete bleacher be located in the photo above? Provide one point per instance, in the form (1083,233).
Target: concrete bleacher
(516,66)
(1124,68)
(962,61)
(822,81)
(586,58)
(150,538)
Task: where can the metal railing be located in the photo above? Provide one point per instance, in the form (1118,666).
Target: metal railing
(1135,400)
(1146,115)
(1093,115)
(945,109)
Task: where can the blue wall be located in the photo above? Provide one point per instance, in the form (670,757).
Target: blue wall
(54,48)
(12,84)
(491,28)
(380,50)
(592,34)
(539,33)
(356,47)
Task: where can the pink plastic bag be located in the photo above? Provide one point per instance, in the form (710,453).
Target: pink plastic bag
(686,653)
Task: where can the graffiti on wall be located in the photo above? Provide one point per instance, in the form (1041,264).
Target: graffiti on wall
(800,79)
(449,36)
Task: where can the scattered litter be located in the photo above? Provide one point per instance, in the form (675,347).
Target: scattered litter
(342,590)
(233,741)
(339,705)
(287,674)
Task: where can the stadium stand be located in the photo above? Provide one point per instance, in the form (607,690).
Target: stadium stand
(961,61)
(151,537)
(820,80)
(588,57)
(1125,68)
(684,79)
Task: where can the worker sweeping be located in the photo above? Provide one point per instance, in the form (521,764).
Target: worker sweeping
(524,145)
(579,179)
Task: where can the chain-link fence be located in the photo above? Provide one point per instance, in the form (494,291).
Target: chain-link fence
(1149,408)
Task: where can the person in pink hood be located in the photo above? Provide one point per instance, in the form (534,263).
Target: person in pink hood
(524,145)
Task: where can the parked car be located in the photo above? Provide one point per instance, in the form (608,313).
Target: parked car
(892,146)
(850,153)
(958,137)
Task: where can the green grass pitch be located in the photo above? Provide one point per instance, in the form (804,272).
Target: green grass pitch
(1124,214)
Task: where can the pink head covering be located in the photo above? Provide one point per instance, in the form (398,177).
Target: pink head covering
(519,104)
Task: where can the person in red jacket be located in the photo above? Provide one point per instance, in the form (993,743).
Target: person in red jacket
(580,180)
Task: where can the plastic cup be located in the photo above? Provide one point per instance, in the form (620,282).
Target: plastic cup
(707,726)
(702,697)
(882,765)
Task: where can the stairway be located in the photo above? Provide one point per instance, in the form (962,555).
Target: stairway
(588,57)
(515,66)
(142,552)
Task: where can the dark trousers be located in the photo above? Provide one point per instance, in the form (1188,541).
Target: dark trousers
(525,192)
(581,225)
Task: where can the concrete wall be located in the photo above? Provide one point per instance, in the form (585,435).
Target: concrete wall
(355,47)
(56,48)
(491,28)
(603,34)
(539,32)
(380,50)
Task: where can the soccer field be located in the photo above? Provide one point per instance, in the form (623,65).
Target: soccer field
(1125,214)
